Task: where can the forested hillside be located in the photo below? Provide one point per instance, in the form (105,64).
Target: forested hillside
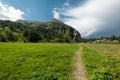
(33,31)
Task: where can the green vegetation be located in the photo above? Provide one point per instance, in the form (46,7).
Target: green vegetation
(47,61)
(30,61)
(110,39)
(31,31)
(102,61)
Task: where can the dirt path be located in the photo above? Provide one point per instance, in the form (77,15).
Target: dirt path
(78,70)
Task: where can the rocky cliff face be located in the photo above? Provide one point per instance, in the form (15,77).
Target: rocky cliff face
(33,31)
(77,36)
(65,31)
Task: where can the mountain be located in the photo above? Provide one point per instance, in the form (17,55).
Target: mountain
(34,31)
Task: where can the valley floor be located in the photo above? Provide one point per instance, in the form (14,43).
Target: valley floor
(47,61)
(102,61)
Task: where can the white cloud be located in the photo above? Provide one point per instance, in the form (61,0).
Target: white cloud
(56,13)
(66,4)
(94,16)
(10,13)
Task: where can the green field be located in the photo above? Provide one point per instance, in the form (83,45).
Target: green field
(19,61)
(48,61)
(102,61)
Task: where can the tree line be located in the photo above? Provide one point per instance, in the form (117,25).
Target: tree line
(103,39)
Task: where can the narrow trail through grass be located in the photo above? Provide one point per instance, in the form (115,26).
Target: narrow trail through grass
(78,70)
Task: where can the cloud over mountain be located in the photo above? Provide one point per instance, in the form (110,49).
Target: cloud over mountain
(56,13)
(10,13)
(94,17)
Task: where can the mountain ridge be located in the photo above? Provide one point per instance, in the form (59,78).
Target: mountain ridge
(34,31)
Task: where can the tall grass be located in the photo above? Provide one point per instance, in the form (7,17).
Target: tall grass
(29,61)
(99,65)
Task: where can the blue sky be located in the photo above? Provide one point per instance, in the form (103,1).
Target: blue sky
(92,18)
(38,10)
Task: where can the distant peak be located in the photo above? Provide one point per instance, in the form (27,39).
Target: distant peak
(55,19)
(19,20)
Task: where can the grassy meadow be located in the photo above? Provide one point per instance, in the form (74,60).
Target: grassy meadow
(48,61)
(102,61)
(19,61)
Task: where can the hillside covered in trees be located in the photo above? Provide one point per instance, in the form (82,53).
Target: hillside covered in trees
(33,31)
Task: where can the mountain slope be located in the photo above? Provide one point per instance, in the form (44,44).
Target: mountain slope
(33,31)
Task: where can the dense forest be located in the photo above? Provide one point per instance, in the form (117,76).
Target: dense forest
(33,31)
